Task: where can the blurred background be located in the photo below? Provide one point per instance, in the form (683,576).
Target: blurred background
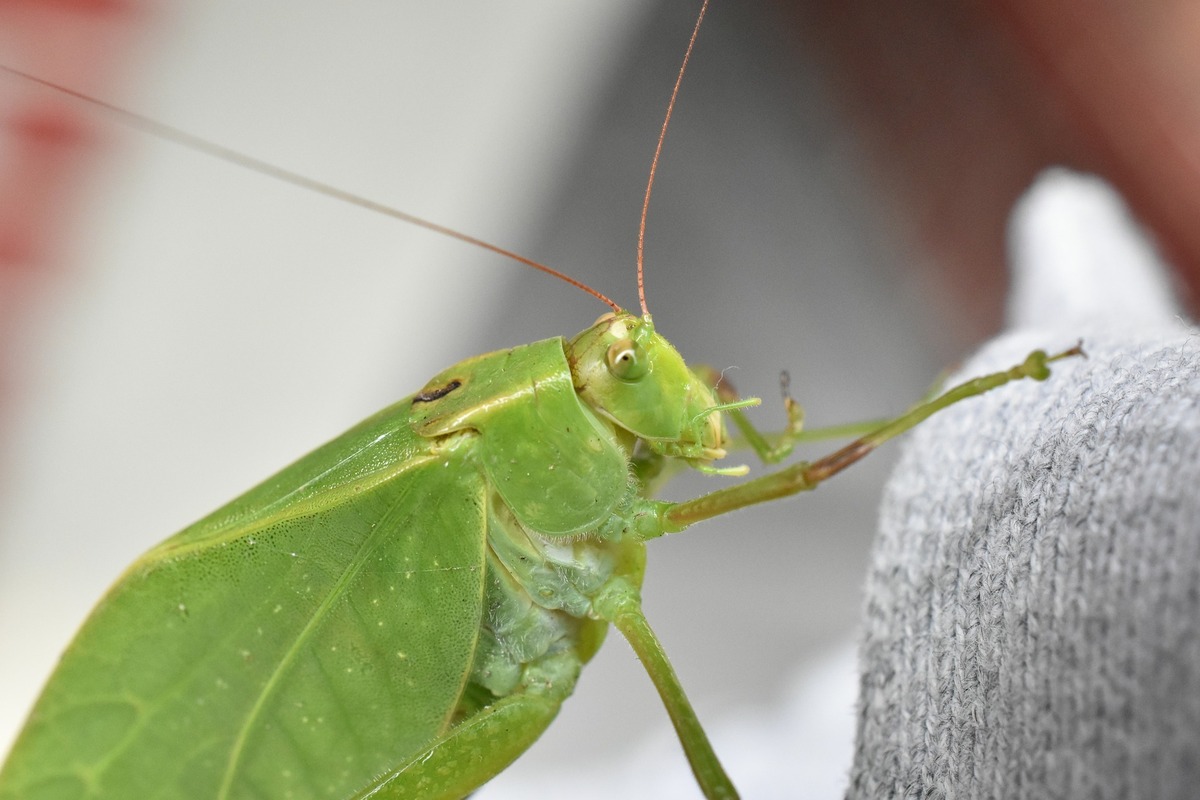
(832,201)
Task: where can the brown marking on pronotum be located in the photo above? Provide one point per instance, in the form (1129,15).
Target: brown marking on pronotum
(426,397)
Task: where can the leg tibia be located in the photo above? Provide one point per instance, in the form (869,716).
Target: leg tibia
(620,604)
(804,476)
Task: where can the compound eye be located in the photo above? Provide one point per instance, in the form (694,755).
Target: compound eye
(626,361)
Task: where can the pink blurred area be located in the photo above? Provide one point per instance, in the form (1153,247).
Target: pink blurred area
(47,140)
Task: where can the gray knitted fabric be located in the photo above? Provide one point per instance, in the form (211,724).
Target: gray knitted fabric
(1032,623)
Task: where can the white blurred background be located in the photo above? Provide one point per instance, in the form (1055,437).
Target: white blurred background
(214,324)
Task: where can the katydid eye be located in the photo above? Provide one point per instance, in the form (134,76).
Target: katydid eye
(626,361)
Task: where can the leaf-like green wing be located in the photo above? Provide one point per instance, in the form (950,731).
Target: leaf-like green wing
(294,644)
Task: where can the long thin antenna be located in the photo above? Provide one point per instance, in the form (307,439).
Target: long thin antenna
(249,162)
(641,246)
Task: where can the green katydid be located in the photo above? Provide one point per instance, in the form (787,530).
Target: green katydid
(464,441)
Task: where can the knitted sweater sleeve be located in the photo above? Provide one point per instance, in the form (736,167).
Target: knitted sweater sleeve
(1032,621)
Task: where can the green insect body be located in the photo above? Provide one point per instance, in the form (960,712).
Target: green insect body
(402,611)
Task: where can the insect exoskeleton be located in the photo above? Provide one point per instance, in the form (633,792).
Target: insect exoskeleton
(631,375)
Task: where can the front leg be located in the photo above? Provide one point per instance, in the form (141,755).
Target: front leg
(771,448)
(808,475)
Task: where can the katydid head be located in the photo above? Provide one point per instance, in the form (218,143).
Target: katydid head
(631,375)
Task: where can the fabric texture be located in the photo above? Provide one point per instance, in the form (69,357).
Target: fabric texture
(1032,621)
